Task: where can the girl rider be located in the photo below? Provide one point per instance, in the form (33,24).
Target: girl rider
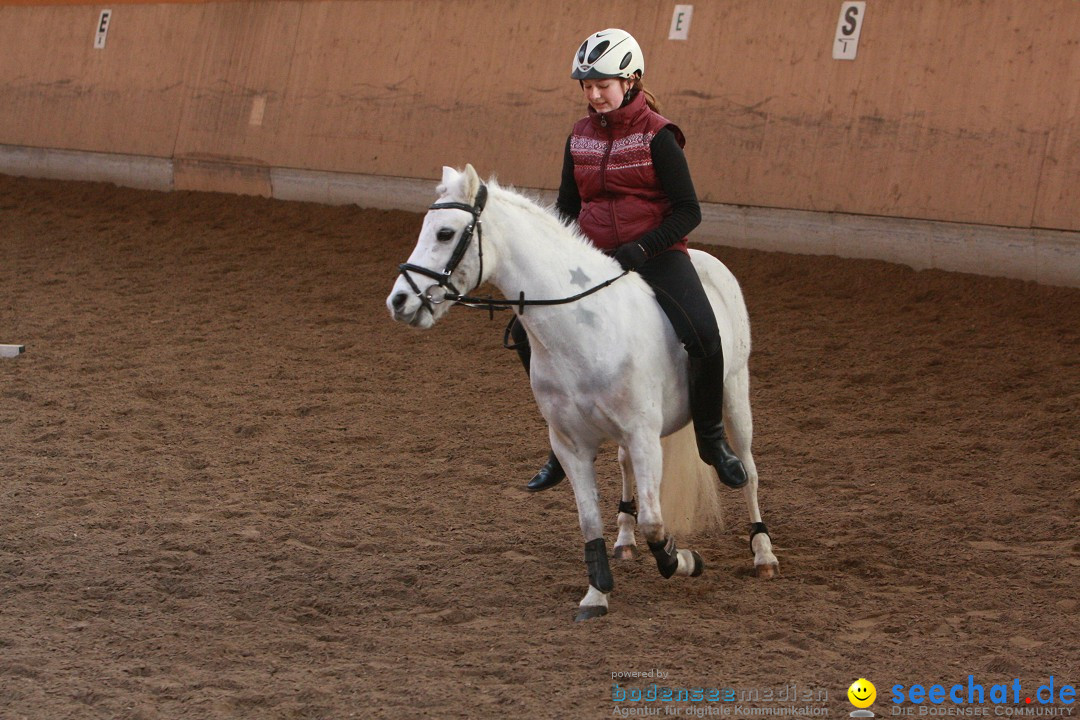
(626,183)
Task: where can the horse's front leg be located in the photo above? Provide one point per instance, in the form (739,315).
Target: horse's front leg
(626,545)
(647,458)
(578,461)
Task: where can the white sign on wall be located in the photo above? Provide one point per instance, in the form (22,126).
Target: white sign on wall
(102,29)
(680,22)
(258,110)
(848,29)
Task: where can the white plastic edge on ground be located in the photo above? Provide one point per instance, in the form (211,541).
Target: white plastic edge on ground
(1046,256)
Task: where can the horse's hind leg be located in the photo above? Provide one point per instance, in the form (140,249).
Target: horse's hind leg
(578,463)
(647,458)
(625,545)
(740,429)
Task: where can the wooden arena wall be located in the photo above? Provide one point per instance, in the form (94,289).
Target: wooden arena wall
(954,110)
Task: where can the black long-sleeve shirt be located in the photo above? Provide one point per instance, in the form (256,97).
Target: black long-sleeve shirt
(669,162)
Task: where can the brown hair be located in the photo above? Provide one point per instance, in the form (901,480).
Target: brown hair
(650,99)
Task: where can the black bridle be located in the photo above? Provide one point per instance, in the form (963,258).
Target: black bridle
(443,278)
(483,303)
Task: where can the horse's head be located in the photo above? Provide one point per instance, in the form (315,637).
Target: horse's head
(448,258)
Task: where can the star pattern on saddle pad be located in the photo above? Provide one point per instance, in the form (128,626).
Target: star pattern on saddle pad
(579,278)
(585,317)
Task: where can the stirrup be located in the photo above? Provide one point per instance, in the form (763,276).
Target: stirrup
(550,475)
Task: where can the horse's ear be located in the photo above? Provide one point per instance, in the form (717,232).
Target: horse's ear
(472,182)
(449,175)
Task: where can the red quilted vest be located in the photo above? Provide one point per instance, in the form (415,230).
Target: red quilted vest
(621,197)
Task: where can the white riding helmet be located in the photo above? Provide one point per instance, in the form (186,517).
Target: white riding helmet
(610,53)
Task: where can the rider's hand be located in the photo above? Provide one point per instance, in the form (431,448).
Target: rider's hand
(631,256)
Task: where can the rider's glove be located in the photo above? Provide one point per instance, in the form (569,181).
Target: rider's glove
(631,256)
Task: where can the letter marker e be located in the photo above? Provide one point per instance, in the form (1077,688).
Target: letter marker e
(680,22)
(102,29)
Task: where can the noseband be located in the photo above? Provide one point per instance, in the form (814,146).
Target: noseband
(443,278)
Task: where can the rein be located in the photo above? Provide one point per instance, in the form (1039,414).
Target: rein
(490,304)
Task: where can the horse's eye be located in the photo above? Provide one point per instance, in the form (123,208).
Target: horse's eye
(445,235)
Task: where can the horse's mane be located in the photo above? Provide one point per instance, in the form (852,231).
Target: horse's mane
(569,239)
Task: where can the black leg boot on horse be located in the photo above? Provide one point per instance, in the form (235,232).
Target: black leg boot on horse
(707,409)
(552,473)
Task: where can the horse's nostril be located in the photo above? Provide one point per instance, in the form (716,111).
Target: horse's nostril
(399,300)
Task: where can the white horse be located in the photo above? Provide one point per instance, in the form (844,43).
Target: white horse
(605,367)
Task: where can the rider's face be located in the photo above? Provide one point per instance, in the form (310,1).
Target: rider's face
(606,94)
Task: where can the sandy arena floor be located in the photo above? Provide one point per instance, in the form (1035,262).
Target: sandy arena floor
(231,487)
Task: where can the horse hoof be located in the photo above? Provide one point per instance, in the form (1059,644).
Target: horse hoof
(588,612)
(626,552)
(699,564)
(767,572)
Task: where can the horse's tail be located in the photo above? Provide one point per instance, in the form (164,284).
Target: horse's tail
(689,495)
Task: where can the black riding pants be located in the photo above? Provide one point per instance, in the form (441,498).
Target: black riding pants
(678,289)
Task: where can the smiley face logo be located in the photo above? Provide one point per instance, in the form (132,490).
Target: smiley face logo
(862,693)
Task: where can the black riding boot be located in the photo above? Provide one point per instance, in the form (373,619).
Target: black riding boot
(552,473)
(707,409)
